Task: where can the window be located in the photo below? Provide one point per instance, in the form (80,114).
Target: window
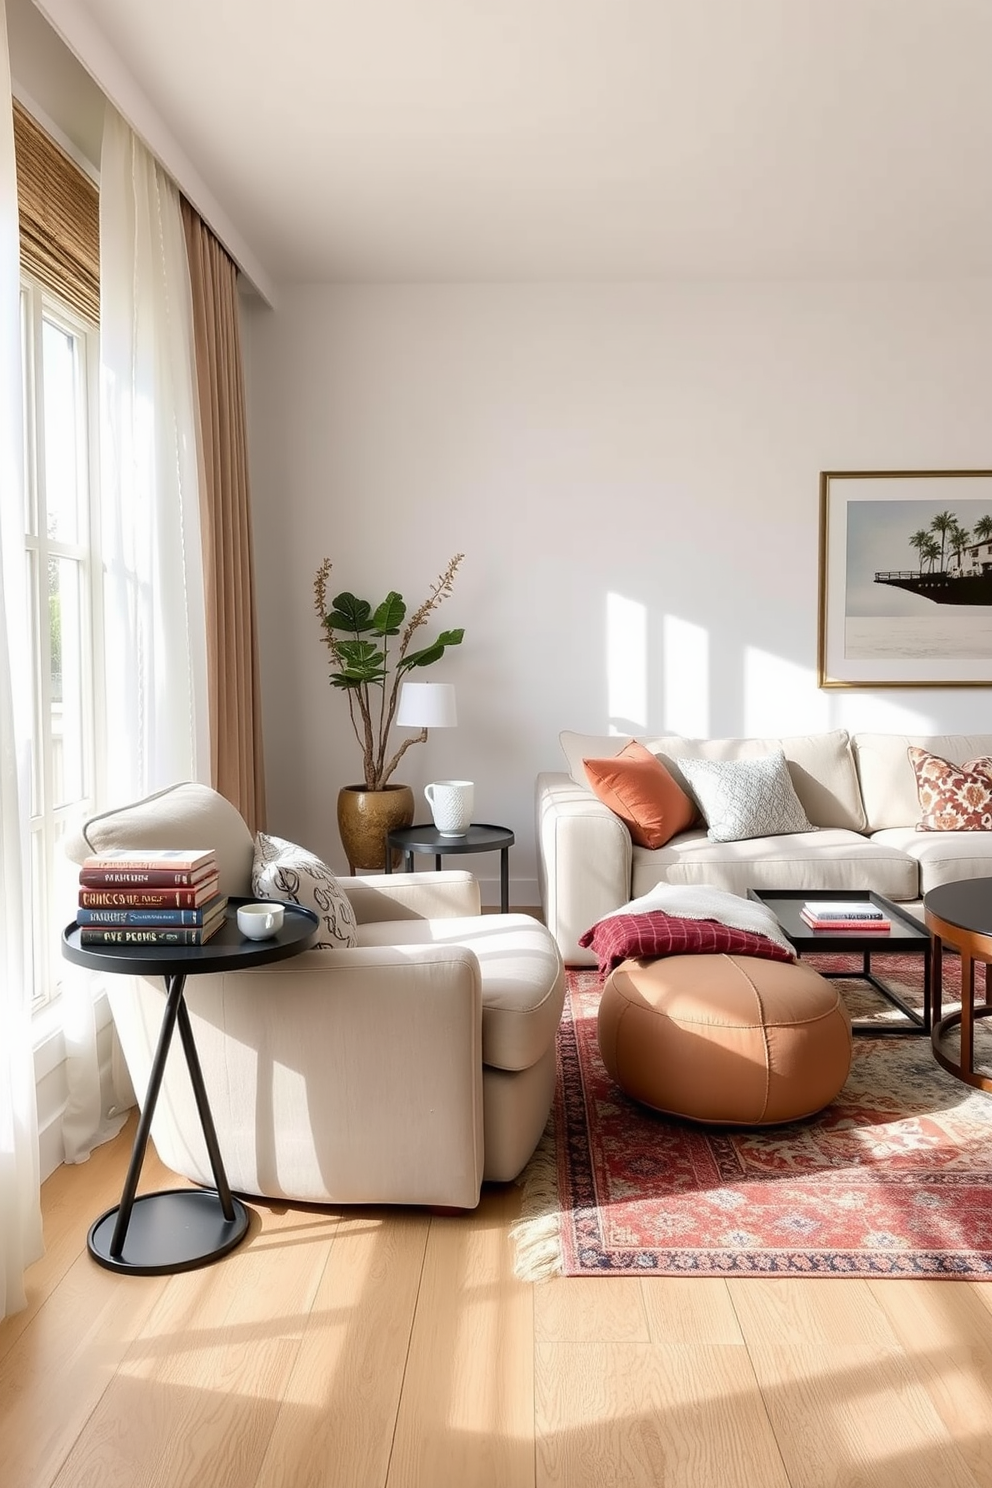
(61,370)
(58,217)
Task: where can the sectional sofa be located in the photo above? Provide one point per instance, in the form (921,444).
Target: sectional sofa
(859,792)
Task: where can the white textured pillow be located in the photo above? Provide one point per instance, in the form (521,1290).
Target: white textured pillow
(746,797)
(282,870)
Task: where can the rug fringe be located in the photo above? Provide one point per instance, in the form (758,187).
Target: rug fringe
(537,1233)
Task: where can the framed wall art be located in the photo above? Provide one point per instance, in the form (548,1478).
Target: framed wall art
(905,578)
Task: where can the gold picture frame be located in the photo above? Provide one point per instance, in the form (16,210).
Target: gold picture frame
(905,583)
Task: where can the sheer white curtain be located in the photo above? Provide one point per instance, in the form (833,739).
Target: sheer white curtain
(20,1210)
(157,721)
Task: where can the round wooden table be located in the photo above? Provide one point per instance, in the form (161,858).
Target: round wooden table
(960,915)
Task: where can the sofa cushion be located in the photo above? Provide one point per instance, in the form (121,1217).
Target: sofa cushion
(285,872)
(821,765)
(745,798)
(888,783)
(184,815)
(953,798)
(825,859)
(943,857)
(638,789)
(523,980)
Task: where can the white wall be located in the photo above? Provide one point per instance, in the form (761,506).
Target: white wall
(632,473)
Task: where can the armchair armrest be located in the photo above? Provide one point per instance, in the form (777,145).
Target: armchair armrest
(584,859)
(337,1076)
(413,896)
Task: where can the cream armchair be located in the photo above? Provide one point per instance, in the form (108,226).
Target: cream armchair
(404,1071)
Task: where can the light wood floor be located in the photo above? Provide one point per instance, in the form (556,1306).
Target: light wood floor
(367,1348)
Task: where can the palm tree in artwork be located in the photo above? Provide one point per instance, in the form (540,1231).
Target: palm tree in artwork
(919,541)
(930,551)
(959,537)
(983,529)
(942,524)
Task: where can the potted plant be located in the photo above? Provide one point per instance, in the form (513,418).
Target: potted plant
(369,670)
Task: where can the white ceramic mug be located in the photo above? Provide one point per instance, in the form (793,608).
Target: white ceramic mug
(259,921)
(452,803)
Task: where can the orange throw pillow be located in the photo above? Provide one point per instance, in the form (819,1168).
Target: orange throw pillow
(640,791)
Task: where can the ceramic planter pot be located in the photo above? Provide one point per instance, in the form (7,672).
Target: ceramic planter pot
(365,817)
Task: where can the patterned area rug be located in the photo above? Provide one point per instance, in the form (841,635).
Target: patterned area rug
(893,1179)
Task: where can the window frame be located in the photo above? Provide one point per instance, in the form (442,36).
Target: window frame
(50,820)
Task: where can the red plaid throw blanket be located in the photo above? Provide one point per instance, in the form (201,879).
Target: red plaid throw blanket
(654,934)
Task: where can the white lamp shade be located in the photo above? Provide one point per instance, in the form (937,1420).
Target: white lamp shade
(427,705)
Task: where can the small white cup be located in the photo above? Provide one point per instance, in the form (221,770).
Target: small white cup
(260,921)
(452,803)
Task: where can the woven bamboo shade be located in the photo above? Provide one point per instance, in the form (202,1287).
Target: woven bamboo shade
(59,211)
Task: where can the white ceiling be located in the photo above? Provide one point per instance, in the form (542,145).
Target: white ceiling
(607,139)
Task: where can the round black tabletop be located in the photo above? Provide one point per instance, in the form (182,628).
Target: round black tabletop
(228,950)
(480,837)
(966,904)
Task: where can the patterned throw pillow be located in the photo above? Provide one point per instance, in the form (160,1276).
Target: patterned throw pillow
(282,870)
(953,798)
(746,797)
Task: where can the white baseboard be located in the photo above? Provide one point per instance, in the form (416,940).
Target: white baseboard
(50,1150)
(522,890)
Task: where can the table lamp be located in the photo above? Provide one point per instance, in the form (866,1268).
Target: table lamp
(427,705)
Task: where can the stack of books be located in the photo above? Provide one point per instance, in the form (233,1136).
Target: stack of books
(844,914)
(169,896)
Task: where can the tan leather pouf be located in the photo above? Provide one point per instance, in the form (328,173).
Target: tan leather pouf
(732,1039)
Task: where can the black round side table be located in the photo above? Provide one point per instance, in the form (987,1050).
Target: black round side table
(179,1229)
(480,837)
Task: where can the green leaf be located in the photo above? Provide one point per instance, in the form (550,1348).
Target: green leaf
(430,654)
(349,613)
(359,676)
(363,662)
(360,654)
(426,657)
(390,615)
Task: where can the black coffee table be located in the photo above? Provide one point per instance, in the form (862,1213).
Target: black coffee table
(181,1228)
(908,936)
(480,837)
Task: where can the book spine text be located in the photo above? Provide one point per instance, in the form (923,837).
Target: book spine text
(139,916)
(165,878)
(141,898)
(143,935)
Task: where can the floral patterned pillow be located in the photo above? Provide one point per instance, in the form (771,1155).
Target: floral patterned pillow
(953,798)
(282,870)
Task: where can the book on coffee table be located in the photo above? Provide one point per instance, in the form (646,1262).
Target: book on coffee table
(843,909)
(850,922)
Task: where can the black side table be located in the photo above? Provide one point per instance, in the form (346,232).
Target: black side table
(179,1229)
(480,837)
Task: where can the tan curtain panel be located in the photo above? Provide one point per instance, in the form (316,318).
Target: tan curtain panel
(59,213)
(232,647)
